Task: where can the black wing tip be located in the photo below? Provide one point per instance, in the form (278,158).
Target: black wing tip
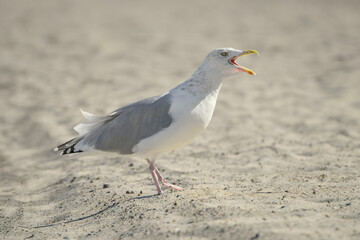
(64,145)
(68,147)
(71,150)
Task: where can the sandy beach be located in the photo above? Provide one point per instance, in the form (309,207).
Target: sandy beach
(279,160)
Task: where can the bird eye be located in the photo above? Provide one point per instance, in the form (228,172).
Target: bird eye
(224,54)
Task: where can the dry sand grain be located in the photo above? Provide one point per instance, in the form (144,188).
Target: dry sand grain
(280,159)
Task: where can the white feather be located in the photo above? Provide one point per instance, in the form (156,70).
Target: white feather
(90,116)
(92,123)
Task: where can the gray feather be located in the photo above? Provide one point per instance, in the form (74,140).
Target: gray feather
(130,124)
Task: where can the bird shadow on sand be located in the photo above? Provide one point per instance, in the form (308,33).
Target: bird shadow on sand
(97,213)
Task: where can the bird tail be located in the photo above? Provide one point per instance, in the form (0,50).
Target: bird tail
(93,122)
(69,147)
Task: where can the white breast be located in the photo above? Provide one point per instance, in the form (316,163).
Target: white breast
(191,115)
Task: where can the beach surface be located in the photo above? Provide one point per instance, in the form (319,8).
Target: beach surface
(279,160)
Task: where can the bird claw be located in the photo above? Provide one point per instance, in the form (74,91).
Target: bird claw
(166,184)
(159,178)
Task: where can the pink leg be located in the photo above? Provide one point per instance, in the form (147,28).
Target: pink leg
(160,178)
(153,174)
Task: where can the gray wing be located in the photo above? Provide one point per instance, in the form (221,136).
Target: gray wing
(132,123)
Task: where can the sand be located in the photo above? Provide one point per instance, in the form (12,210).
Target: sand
(280,159)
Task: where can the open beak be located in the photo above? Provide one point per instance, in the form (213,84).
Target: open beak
(241,68)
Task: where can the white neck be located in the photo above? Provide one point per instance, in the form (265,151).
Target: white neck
(204,81)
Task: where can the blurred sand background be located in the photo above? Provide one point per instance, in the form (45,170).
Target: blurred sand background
(280,159)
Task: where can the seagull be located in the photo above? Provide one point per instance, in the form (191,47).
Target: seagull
(163,123)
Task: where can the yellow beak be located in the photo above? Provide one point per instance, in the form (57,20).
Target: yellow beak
(241,68)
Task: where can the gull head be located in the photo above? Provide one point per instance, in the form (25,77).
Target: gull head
(223,61)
